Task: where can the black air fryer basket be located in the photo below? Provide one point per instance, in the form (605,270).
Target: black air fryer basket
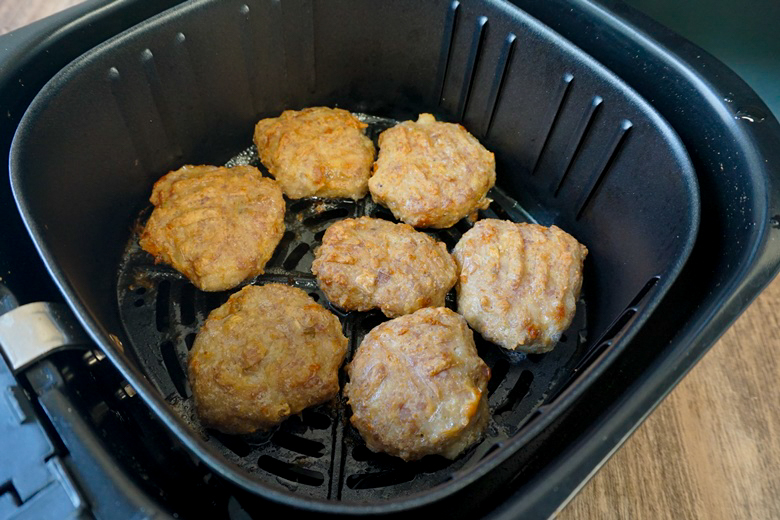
(575,146)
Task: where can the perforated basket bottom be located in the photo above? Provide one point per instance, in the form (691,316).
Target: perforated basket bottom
(319,454)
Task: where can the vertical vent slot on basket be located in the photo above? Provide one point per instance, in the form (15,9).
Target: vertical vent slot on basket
(471,65)
(556,107)
(578,139)
(446,48)
(613,151)
(160,104)
(502,71)
(652,282)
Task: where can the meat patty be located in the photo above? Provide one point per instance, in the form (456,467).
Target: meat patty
(266,354)
(217,226)
(519,283)
(431,174)
(368,263)
(417,386)
(316,151)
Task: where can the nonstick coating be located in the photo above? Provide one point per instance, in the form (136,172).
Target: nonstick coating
(574,145)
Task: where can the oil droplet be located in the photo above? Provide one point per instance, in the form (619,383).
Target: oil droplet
(750,114)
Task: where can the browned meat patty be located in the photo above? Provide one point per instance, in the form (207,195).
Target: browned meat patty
(431,174)
(519,283)
(217,226)
(316,151)
(268,353)
(417,386)
(369,263)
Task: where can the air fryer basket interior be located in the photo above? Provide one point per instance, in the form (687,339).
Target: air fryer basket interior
(574,146)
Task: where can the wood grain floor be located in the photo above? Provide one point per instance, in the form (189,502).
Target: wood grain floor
(712,448)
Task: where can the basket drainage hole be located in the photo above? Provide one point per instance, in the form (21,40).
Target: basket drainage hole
(300,205)
(314,296)
(383,213)
(189,340)
(140,291)
(187,304)
(499,372)
(290,472)
(326,215)
(297,254)
(297,444)
(175,370)
(235,444)
(316,420)
(361,453)
(281,247)
(163,320)
(139,302)
(517,393)
(378,479)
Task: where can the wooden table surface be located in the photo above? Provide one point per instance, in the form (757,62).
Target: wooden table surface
(711,450)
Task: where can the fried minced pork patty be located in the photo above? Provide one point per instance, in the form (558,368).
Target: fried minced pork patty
(417,386)
(316,151)
(368,263)
(430,173)
(217,226)
(519,283)
(266,354)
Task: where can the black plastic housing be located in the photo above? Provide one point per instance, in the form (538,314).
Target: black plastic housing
(575,146)
(688,86)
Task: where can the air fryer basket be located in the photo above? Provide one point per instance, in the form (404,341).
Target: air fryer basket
(575,147)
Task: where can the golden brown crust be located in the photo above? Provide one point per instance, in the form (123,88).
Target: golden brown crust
(519,283)
(417,386)
(217,226)
(316,151)
(368,263)
(431,174)
(268,353)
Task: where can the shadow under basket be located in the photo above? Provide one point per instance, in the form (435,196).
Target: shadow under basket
(574,145)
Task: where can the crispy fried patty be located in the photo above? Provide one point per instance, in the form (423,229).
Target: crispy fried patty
(368,263)
(266,354)
(316,151)
(431,174)
(417,386)
(519,283)
(217,226)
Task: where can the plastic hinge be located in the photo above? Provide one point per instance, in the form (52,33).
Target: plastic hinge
(32,331)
